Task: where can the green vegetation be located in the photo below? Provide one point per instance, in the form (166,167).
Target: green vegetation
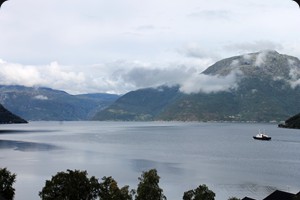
(109,190)
(148,188)
(200,193)
(7,179)
(70,185)
(75,185)
(140,105)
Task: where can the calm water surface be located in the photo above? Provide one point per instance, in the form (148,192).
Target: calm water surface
(221,155)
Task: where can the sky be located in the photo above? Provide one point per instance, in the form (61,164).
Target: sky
(116,46)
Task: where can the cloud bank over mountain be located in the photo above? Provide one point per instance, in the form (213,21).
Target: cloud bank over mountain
(207,83)
(117,77)
(122,76)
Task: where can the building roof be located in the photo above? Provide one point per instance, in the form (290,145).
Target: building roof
(280,195)
(247,198)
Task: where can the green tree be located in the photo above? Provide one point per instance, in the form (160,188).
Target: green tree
(70,185)
(109,190)
(200,193)
(148,188)
(7,179)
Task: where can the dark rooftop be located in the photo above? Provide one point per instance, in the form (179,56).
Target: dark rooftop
(280,195)
(247,198)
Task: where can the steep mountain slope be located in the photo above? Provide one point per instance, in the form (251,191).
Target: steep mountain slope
(7,117)
(48,104)
(144,104)
(254,100)
(266,88)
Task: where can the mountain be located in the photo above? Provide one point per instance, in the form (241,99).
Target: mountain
(140,105)
(7,117)
(262,86)
(292,122)
(40,103)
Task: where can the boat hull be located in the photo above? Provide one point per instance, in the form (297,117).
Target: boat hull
(261,138)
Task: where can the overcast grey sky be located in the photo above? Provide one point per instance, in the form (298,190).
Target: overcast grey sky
(116,46)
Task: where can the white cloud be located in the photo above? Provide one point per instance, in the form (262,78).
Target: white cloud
(294,74)
(261,58)
(115,77)
(52,75)
(207,83)
(125,76)
(18,74)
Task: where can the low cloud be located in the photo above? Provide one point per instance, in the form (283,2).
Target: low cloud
(116,77)
(18,74)
(261,58)
(143,77)
(294,73)
(41,97)
(207,83)
(52,75)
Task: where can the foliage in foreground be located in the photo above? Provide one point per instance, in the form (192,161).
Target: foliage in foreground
(148,188)
(75,185)
(200,193)
(109,190)
(70,185)
(7,179)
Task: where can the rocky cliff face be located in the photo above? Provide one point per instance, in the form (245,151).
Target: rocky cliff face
(263,64)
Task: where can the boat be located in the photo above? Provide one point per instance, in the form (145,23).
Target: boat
(262,136)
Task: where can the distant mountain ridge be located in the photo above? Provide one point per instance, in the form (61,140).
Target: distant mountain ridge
(40,103)
(267,88)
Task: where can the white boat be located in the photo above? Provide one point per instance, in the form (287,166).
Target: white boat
(262,136)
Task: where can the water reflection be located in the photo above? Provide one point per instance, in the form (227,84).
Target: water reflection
(26,146)
(285,140)
(139,165)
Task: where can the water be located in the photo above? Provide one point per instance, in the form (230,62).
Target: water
(221,155)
